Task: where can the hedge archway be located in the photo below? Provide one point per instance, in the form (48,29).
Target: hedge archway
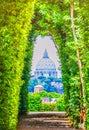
(51,18)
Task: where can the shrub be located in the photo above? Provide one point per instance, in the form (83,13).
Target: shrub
(48,106)
(60,103)
(34,102)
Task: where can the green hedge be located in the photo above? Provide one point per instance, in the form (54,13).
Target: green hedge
(48,106)
(61,104)
(15,18)
(84,25)
(58,24)
(34,102)
(26,76)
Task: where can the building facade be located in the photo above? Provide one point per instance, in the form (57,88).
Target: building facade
(38,88)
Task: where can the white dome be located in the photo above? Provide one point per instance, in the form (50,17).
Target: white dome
(45,64)
(45,67)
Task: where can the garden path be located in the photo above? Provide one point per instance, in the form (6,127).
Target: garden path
(45,121)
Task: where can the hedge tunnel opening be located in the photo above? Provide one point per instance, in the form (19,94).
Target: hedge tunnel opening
(21,22)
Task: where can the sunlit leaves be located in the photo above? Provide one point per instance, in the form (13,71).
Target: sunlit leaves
(15,25)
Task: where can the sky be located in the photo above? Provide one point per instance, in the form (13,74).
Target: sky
(40,45)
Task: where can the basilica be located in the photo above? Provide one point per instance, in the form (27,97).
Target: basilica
(46,76)
(45,67)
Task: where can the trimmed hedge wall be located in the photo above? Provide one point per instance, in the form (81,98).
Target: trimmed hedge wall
(15,25)
(34,102)
(26,76)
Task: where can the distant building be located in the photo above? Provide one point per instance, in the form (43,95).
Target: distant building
(38,88)
(45,67)
(46,70)
(53,100)
(45,100)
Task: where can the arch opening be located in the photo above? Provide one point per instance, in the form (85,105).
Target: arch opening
(46,77)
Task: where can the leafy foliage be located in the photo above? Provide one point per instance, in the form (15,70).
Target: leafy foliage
(61,103)
(48,106)
(58,25)
(15,24)
(35,102)
(26,76)
(50,95)
(84,24)
(50,18)
(53,18)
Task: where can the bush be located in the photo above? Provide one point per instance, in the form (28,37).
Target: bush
(34,102)
(48,106)
(49,94)
(60,103)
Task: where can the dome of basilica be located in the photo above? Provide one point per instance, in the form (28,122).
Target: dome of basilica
(45,67)
(45,64)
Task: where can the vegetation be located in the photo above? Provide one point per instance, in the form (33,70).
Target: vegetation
(48,106)
(68,23)
(35,102)
(64,22)
(47,84)
(15,19)
(60,103)
(26,76)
